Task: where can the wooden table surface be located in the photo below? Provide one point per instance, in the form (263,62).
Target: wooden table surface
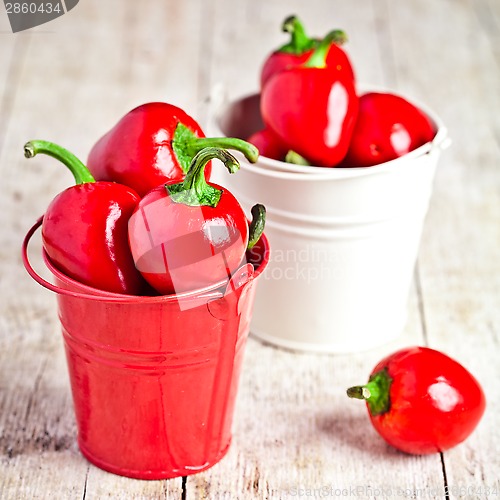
(295,432)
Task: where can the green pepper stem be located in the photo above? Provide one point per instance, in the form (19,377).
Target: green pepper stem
(338,37)
(359,392)
(186,145)
(376,392)
(249,150)
(257,225)
(299,41)
(296,159)
(80,172)
(318,58)
(194,190)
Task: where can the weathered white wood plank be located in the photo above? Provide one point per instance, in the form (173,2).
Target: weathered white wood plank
(488,15)
(101,484)
(11,54)
(459,265)
(37,433)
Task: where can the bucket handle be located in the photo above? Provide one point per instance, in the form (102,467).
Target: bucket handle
(31,271)
(54,288)
(240,278)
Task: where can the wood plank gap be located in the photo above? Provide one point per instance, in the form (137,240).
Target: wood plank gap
(14,71)
(420,301)
(445,478)
(84,496)
(184,488)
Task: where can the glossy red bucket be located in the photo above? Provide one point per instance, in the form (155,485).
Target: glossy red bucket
(154,379)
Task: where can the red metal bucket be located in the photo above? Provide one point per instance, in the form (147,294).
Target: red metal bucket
(154,379)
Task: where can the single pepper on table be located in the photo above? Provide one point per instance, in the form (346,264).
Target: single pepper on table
(422,401)
(84,229)
(188,235)
(154,144)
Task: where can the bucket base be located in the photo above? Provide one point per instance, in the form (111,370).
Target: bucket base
(149,474)
(327,348)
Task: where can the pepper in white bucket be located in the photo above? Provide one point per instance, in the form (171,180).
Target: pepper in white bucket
(344,240)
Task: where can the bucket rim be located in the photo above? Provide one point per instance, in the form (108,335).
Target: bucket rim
(279,170)
(213,291)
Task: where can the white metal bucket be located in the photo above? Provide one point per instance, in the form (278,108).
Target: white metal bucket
(344,241)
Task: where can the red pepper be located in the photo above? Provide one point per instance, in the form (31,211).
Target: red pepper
(299,49)
(421,400)
(154,144)
(312,109)
(188,235)
(84,229)
(387,127)
(268,144)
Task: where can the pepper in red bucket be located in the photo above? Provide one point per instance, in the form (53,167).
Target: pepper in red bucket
(387,127)
(422,401)
(84,230)
(154,144)
(312,108)
(184,236)
(300,47)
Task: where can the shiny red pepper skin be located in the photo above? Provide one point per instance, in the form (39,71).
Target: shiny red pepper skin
(299,49)
(84,229)
(190,235)
(433,402)
(138,151)
(387,127)
(312,109)
(154,144)
(268,144)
